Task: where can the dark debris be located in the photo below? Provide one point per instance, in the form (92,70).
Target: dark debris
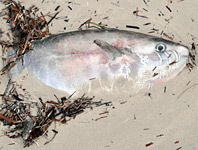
(26,26)
(17,114)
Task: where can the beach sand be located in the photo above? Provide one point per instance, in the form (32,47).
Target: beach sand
(166,119)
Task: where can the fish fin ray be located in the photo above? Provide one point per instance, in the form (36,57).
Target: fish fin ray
(110,50)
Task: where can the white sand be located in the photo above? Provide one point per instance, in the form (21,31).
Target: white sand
(132,125)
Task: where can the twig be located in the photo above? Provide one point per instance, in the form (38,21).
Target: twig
(55,133)
(187,90)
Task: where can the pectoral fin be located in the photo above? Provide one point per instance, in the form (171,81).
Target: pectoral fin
(110,50)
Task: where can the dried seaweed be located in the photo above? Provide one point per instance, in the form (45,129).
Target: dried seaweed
(88,24)
(26,26)
(169,8)
(136,13)
(149,144)
(17,114)
(134,27)
(1,32)
(168,36)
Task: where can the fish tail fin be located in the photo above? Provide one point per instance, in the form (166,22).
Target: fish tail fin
(18,67)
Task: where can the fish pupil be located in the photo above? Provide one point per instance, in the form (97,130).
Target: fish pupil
(160,47)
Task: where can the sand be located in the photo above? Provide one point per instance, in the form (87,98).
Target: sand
(167,119)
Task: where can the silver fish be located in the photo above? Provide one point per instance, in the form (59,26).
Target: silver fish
(70,60)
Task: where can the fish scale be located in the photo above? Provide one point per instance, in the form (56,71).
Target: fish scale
(69,60)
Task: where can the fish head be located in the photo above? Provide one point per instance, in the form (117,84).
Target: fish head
(160,59)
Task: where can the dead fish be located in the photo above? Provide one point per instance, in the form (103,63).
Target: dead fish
(69,60)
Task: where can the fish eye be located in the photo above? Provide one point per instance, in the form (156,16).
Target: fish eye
(160,47)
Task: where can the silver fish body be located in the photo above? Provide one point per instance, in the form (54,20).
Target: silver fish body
(69,60)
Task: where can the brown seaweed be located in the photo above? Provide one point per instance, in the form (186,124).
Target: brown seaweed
(26,26)
(17,114)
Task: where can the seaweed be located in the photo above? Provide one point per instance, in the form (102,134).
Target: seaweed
(26,26)
(17,113)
